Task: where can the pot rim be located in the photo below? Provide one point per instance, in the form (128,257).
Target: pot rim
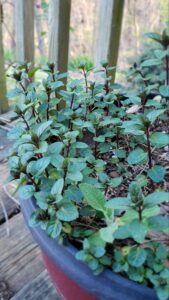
(106,286)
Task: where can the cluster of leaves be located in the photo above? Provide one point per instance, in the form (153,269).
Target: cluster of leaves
(76,61)
(154,61)
(93,167)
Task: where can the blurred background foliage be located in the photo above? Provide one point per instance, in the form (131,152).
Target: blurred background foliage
(139,17)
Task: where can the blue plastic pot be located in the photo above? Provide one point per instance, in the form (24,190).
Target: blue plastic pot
(73,279)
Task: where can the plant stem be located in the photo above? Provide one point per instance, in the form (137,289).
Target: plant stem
(149,148)
(53,77)
(145,81)
(85,78)
(25,92)
(47,110)
(38,119)
(167,70)
(70,125)
(27,126)
(33,112)
(93,93)
(140,214)
(106,86)
(95,145)
(66,169)
(46,172)
(23,88)
(33,182)
(72,100)
(117,138)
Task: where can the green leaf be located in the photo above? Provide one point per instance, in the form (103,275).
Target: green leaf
(154,102)
(76,176)
(106,261)
(57,84)
(151,62)
(55,148)
(104,147)
(32,72)
(164,90)
(95,244)
(71,135)
(26,156)
(130,214)
(136,274)
(116,181)
(159,139)
(73,193)
(93,196)
(156,173)
(137,257)
(107,121)
(153,115)
(43,146)
(137,156)
(42,127)
(87,211)
(26,191)
(134,129)
(93,264)
(120,153)
(160,53)
(33,220)
(119,203)
(141,180)
(156,198)
(41,164)
(41,199)
(106,233)
(80,145)
(123,232)
(162,253)
(158,223)
(162,292)
(56,229)
(154,36)
(57,187)
(151,211)
(15,133)
(13,162)
(57,160)
(138,231)
(67,212)
(99,139)
(81,255)
(13,93)
(76,165)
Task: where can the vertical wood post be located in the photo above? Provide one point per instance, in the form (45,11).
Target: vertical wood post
(24,30)
(4,107)
(109,30)
(59,21)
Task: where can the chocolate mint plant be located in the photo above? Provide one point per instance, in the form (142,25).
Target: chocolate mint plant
(97,171)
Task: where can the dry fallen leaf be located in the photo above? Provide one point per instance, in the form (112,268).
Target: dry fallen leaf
(114,174)
(135,108)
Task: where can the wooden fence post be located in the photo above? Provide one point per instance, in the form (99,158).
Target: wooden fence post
(24,30)
(108,32)
(4,107)
(59,21)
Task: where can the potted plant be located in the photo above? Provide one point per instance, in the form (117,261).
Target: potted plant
(92,178)
(154,62)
